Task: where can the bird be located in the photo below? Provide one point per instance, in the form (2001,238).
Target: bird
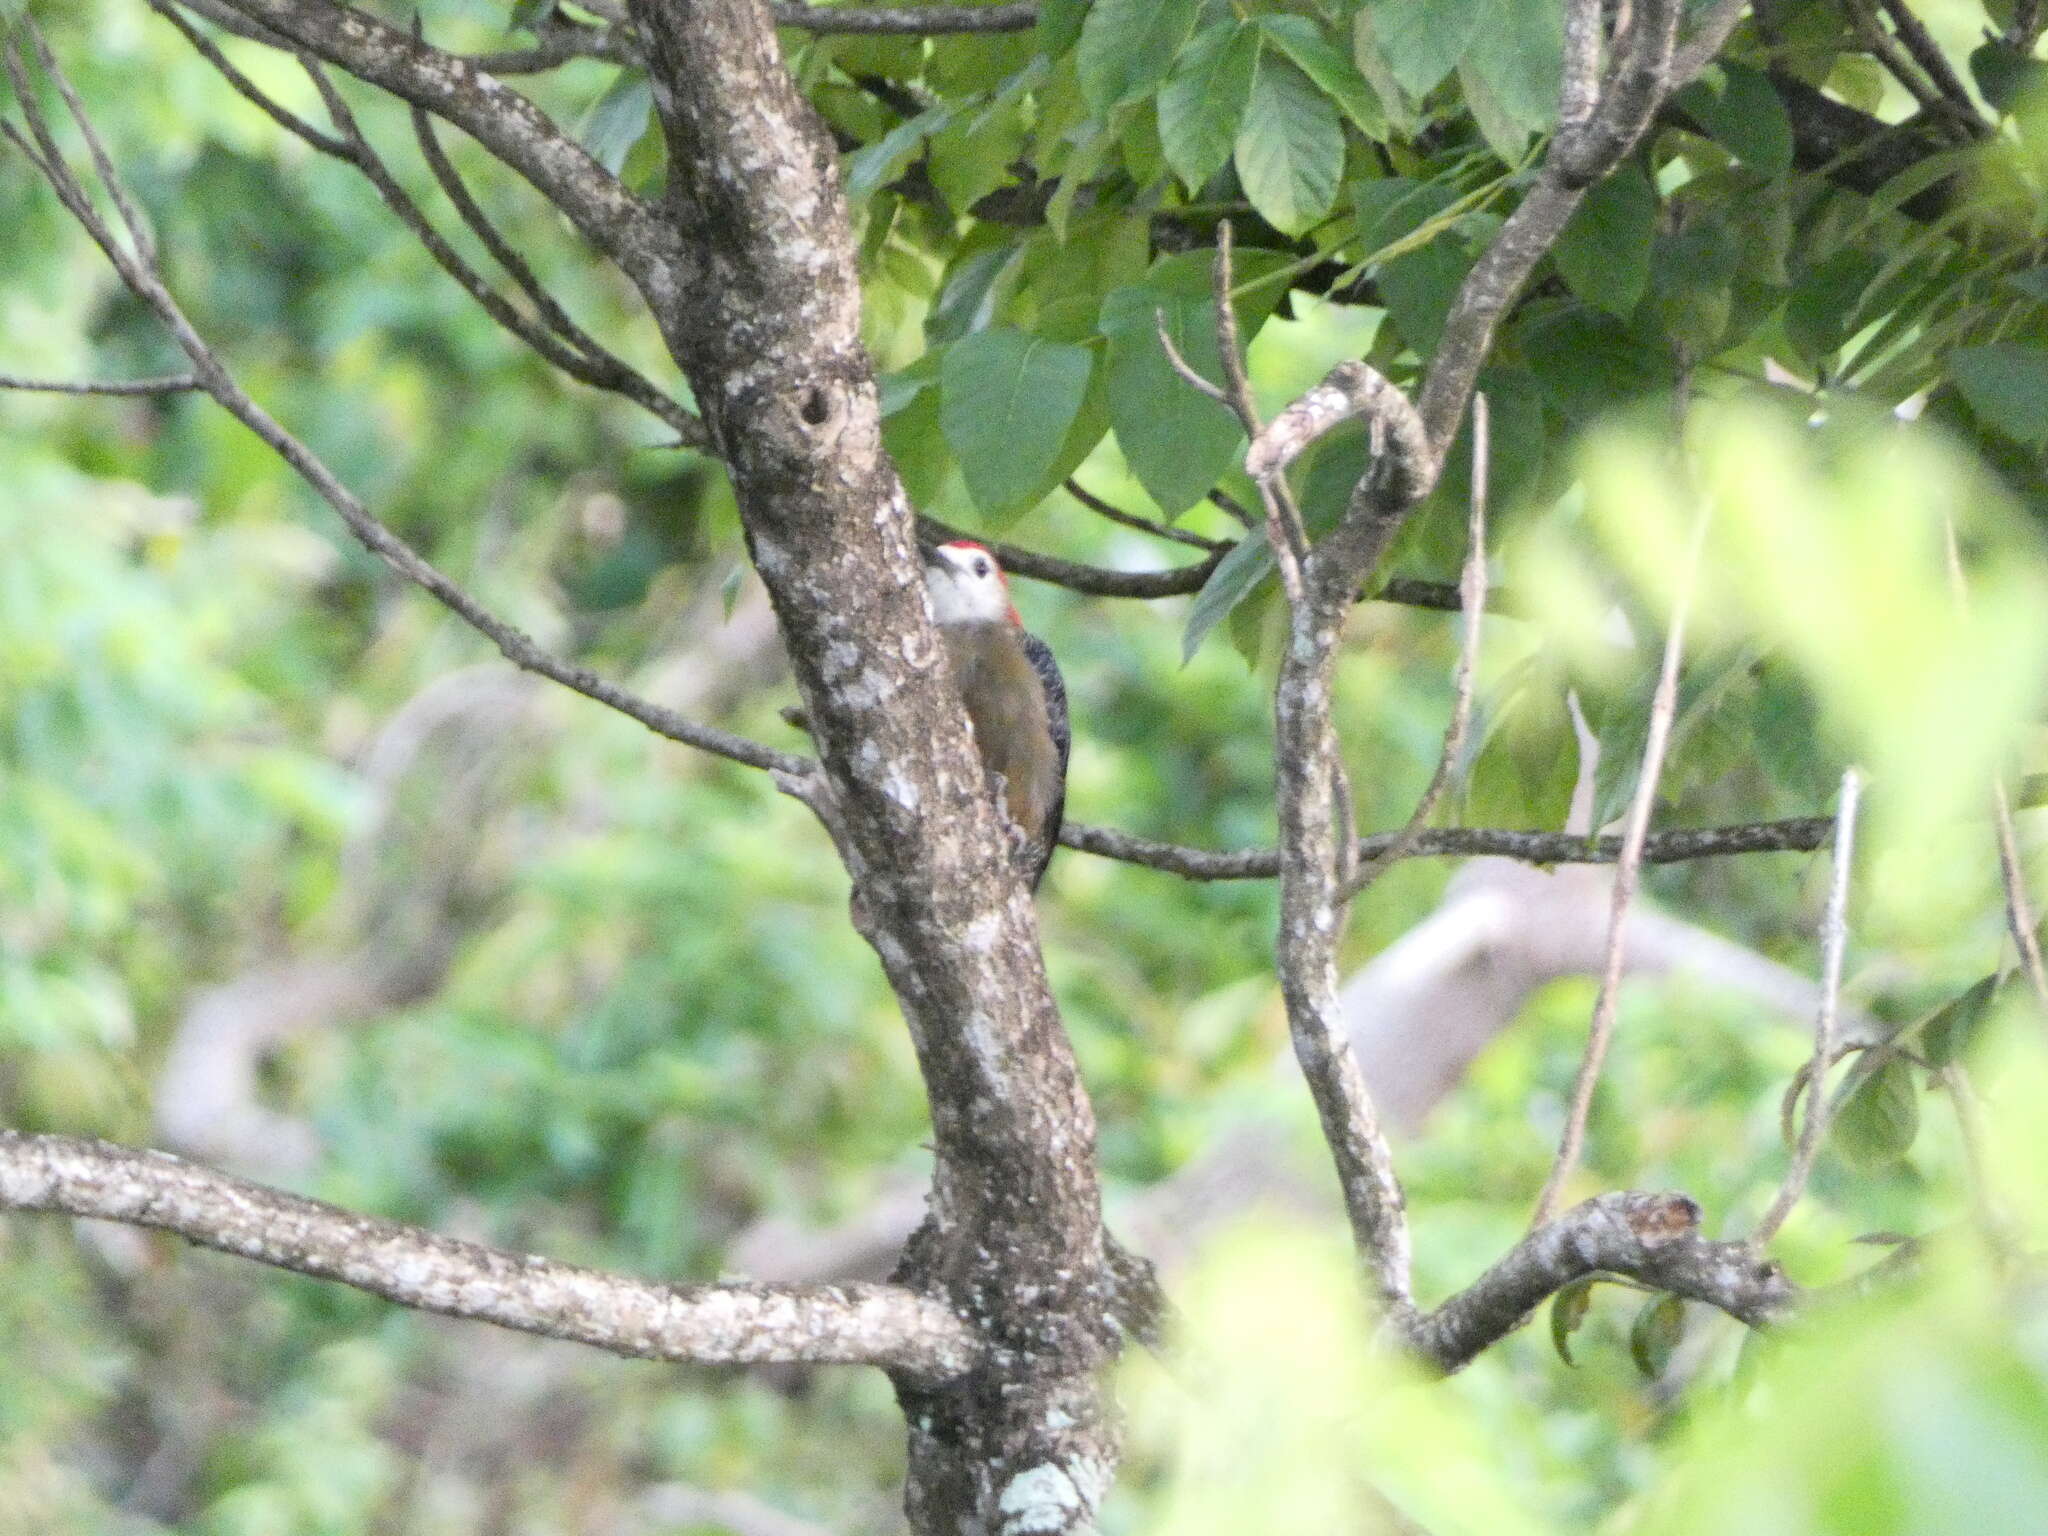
(1015,696)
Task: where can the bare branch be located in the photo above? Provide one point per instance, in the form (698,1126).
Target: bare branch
(700,1324)
(1662,706)
(1190,375)
(1472,598)
(2019,910)
(1882,47)
(619,224)
(1117,515)
(1091,580)
(907,20)
(1346,391)
(518,648)
(1653,1239)
(248,89)
(575,353)
(1928,55)
(1834,942)
(169,384)
(597,365)
(1800,834)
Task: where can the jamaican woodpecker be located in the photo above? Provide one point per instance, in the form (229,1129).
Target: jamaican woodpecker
(1013,693)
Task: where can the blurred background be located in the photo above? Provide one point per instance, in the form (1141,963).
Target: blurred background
(298,878)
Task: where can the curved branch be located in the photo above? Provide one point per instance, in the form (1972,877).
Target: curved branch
(881,1325)
(1800,834)
(1653,1238)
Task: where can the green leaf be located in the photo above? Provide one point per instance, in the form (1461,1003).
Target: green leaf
(1692,292)
(1237,575)
(617,119)
(1202,106)
(1334,75)
(1739,109)
(2006,75)
(874,166)
(1419,288)
(1059,23)
(1391,208)
(1422,40)
(1947,1035)
(1568,1309)
(2007,386)
(1127,47)
(1007,400)
(1517,49)
(1589,363)
(1177,443)
(1881,1117)
(1604,253)
(972,290)
(1290,149)
(1655,1334)
(2033,282)
(1824,301)
(1508,139)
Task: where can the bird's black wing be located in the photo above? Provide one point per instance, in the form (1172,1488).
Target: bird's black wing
(1040,656)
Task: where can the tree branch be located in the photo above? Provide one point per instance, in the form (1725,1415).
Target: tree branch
(554,336)
(1472,599)
(882,1325)
(169,384)
(1663,706)
(1800,834)
(619,224)
(1834,943)
(137,270)
(1651,1238)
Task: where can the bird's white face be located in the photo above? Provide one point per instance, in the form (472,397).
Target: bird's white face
(966,585)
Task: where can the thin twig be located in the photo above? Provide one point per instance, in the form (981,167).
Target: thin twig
(2019,908)
(1189,374)
(1928,55)
(1883,47)
(1118,515)
(1472,599)
(545,305)
(1283,514)
(139,231)
(1834,943)
(246,88)
(518,648)
(907,20)
(1662,707)
(575,354)
(1091,580)
(1992,1223)
(169,384)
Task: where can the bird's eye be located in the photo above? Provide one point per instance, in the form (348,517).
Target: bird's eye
(981,567)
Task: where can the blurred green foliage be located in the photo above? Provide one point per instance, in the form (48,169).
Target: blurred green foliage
(654,1026)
